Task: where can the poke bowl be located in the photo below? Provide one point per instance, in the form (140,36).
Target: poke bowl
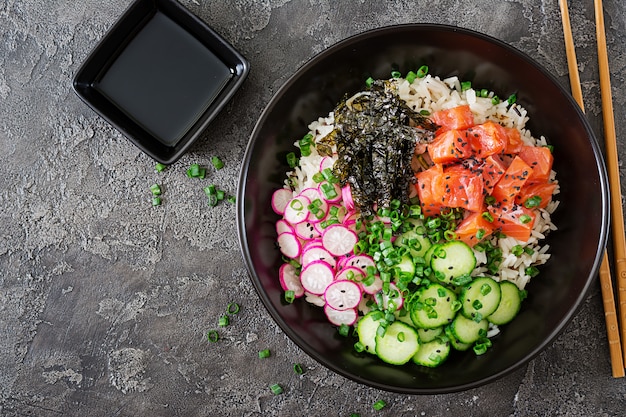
(429,76)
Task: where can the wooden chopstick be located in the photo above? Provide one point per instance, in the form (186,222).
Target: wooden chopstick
(610,143)
(612,325)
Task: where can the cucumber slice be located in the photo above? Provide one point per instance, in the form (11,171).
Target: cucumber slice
(422,243)
(510,304)
(454,342)
(433,353)
(428,335)
(451,260)
(467,330)
(398,344)
(433,306)
(480,298)
(366,330)
(406,266)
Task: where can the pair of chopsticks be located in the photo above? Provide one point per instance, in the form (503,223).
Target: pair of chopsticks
(616,329)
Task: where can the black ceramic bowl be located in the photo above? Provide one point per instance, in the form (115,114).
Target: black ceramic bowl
(553,297)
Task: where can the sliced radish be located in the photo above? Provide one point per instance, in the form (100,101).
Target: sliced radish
(339,240)
(374,287)
(313,243)
(316,276)
(316,300)
(393,296)
(343,294)
(339,317)
(280,199)
(283,226)
(317,253)
(306,231)
(326,162)
(346,196)
(289,245)
(315,197)
(361,261)
(289,279)
(351,273)
(296,210)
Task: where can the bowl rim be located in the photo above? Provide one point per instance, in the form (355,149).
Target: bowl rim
(298,339)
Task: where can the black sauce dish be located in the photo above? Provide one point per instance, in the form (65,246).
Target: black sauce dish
(160,76)
(553,297)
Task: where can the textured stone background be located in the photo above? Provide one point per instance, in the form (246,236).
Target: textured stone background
(104,300)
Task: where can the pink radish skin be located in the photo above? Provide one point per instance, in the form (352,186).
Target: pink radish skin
(316,276)
(318,254)
(343,294)
(346,196)
(373,288)
(289,244)
(313,194)
(339,240)
(339,317)
(326,162)
(296,210)
(306,231)
(289,280)
(283,226)
(360,261)
(313,243)
(280,198)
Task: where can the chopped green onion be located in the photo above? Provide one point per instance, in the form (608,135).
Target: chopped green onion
(292,160)
(401,337)
(224,321)
(477,305)
(532,202)
(550,147)
(160,167)
(276,389)
(212,336)
(484,93)
(210,190)
(396,74)
(425,112)
(290,296)
(213,200)
(155,189)
(233,308)
(220,194)
(193,171)
(466,85)
(532,271)
(217,162)
(369,81)
(422,71)
(318,177)
(410,77)
(297,368)
(490,200)
(495,100)
(480,233)
(344,330)
(485,289)
(517,250)
(156,201)
(512,99)
(487,216)
(379,405)
(525,218)
(529,250)
(355,415)
(231,199)
(359,347)
(265,353)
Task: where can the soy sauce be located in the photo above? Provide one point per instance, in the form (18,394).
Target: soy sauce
(164,79)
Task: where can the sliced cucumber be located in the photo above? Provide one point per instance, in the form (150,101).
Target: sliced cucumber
(406,266)
(366,330)
(428,335)
(433,306)
(467,330)
(433,353)
(454,342)
(398,344)
(480,298)
(404,316)
(510,304)
(421,241)
(451,260)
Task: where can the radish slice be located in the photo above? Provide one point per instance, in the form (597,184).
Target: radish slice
(346,196)
(316,300)
(296,210)
(339,240)
(343,294)
(306,230)
(374,287)
(339,317)
(326,162)
(317,254)
(313,243)
(396,298)
(316,276)
(283,226)
(289,280)
(315,197)
(351,273)
(289,245)
(280,199)
(361,261)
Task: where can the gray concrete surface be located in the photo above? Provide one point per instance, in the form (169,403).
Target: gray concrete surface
(105,300)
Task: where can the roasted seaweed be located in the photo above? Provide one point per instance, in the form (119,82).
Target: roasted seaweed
(376,134)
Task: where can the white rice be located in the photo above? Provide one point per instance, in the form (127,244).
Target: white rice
(432,94)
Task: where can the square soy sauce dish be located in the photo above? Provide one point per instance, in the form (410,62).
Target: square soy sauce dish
(160,75)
